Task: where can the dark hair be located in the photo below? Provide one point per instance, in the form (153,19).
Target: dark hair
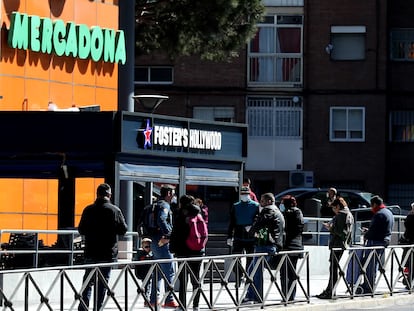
(339,201)
(186,200)
(289,201)
(165,189)
(246,180)
(103,190)
(376,200)
(269,196)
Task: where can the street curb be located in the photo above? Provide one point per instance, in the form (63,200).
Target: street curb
(356,303)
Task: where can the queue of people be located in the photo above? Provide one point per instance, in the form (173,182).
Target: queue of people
(254,227)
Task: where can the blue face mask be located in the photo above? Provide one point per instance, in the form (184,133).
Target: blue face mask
(282,207)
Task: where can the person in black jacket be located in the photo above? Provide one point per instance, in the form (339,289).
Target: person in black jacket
(408,239)
(100,224)
(294,223)
(178,246)
(268,230)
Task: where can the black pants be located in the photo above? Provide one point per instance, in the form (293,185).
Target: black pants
(240,246)
(194,274)
(100,288)
(288,275)
(334,258)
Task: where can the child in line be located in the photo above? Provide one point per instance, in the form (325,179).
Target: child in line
(141,271)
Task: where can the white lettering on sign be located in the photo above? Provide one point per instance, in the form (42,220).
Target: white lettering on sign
(170,136)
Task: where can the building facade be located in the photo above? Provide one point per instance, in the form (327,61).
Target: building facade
(324,88)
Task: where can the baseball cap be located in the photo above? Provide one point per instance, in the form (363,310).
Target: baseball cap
(244,190)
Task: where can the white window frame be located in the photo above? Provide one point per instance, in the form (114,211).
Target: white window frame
(285,69)
(150,79)
(402,44)
(217,113)
(275,117)
(345,52)
(348,137)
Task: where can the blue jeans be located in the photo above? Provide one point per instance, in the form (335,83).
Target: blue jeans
(167,268)
(372,267)
(258,276)
(101,290)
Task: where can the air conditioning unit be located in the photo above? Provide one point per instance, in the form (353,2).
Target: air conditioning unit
(300,179)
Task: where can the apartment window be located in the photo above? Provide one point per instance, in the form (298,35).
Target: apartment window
(153,75)
(347,124)
(348,42)
(402,126)
(402,44)
(274,117)
(275,53)
(223,114)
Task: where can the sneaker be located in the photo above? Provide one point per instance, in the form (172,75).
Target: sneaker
(171,304)
(248,301)
(195,309)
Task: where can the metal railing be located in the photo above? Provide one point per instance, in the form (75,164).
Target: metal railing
(28,289)
(71,253)
(374,271)
(60,288)
(314,225)
(25,250)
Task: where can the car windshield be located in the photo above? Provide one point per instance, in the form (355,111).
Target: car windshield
(367,195)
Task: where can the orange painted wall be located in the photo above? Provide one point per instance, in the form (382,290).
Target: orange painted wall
(29,80)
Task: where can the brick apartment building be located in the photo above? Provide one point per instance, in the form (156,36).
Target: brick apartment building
(325,87)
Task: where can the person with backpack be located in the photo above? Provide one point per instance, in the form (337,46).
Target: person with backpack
(188,239)
(160,237)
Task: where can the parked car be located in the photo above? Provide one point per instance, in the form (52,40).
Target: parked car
(310,200)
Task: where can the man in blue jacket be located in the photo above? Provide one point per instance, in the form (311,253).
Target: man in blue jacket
(242,215)
(378,234)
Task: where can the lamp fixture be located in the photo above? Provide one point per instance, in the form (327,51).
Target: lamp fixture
(150,102)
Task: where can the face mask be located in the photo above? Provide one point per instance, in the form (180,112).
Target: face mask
(282,207)
(244,197)
(174,200)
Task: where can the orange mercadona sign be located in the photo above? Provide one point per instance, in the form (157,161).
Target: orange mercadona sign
(30,32)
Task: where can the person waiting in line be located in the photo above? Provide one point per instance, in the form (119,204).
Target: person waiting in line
(161,245)
(100,224)
(203,207)
(247,183)
(340,229)
(294,224)
(327,212)
(180,249)
(242,215)
(408,239)
(326,209)
(268,231)
(141,271)
(377,234)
